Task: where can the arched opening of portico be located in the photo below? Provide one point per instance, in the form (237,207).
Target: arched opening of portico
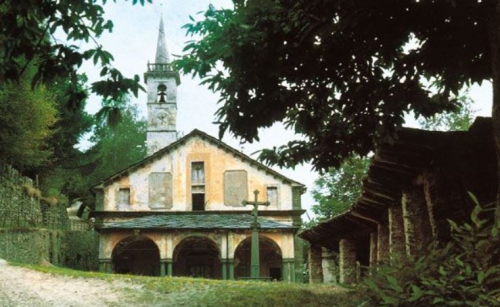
(271,259)
(197,257)
(137,255)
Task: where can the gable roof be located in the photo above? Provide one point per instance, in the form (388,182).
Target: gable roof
(180,142)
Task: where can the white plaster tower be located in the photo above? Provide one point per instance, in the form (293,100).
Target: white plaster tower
(161,81)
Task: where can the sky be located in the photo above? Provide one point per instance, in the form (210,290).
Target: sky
(133,44)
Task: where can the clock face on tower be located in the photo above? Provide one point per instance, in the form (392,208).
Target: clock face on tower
(162,119)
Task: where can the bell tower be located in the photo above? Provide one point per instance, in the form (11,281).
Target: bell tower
(161,81)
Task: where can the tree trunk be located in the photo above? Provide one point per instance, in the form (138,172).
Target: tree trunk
(494,35)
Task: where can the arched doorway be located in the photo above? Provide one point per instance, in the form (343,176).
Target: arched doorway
(271,260)
(136,255)
(197,257)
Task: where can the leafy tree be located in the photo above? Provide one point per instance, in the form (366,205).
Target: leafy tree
(119,145)
(338,189)
(62,175)
(115,147)
(26,120)
(460,120)
(72,124)
(27,29)
(342,74)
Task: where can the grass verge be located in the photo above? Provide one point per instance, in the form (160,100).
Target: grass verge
(198,292)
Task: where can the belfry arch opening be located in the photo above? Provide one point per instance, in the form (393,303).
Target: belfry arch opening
(271,259)
(137,255)
(162,93)
(197,257)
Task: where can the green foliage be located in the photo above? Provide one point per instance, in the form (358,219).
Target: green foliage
(73,121)
(341,74)
(26,120)
(460,120)
(75,249)
(118,146)
(80,250)
(27,37)
(463,272)
(337,190)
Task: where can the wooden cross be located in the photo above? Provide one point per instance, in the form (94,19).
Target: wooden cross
(256,203)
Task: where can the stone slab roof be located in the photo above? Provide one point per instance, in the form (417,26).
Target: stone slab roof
(468,155)
(190,221)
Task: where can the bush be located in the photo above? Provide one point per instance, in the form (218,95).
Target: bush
(462,272)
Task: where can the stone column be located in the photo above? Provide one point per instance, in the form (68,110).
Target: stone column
(397,248)
(418,233)
(299,260)
(224,263)
(288,270)
(105,265)
(315,264)
(224,252)
(444,194)
(169,253)
(373,249)
(330,267)
(170,271)
(163,267)
(347,263)
(231,268)
(383,243)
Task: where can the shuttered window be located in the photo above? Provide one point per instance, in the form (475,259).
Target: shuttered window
(160,190)
(272,195)
(235,187)
(123,198)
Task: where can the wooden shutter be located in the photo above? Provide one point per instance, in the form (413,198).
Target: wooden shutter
(160,191)
(235,188)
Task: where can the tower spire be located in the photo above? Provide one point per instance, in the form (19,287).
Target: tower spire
(161,47)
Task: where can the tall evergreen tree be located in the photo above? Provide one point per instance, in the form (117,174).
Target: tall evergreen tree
(26,120)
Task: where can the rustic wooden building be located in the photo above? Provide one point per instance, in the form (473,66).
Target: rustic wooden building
(413,186)
(180,212)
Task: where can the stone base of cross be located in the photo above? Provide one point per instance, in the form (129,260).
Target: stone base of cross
(255,261)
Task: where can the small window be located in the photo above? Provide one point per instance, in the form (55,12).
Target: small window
(198,186)
(198,202)
(198,173)
(123,198)
(272,195)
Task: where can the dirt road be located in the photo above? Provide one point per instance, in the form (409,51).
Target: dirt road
(25,288)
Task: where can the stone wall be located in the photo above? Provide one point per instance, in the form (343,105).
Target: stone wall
(72,249)
(33,230)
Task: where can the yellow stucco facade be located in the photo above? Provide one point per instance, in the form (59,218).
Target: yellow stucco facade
(183,207)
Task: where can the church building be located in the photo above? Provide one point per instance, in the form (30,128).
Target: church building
(182,211)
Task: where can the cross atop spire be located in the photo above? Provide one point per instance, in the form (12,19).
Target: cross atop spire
(162,56)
